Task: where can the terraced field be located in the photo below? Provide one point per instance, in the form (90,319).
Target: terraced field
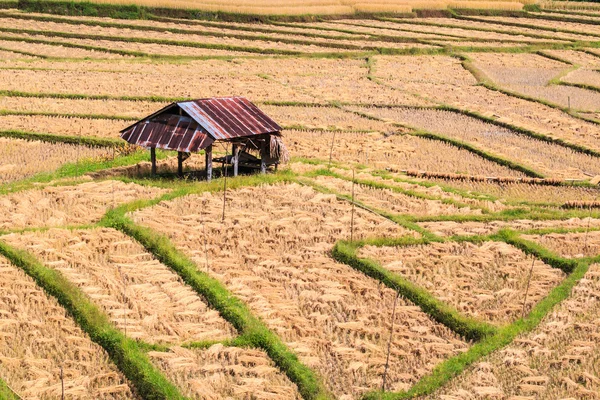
(434,235)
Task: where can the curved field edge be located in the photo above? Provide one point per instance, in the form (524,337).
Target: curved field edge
(6,393)
(127,354)
(253,330)
(345,251)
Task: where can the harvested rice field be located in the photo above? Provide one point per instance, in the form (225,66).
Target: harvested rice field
(68,205)
(453,228)
(556,360)
(393,150)
(486,281)
(433,191)
(550,159)
(128,283)
(39,338)
(569,245)
(224,372)
(22,159)
(327,312)
(390,200)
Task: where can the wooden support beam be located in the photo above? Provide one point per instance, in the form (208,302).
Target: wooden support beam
(208,162)
(153,160)
(235,151)
(263,156)
(180,164)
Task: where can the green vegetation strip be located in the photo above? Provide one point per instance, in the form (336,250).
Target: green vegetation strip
(124,352)
(346,252)
(264,38)
(67,115)
(525,132)
(167,42)
(78,169)
(6,392)
(452,367)
(48,138)
(218,296)
(486,82)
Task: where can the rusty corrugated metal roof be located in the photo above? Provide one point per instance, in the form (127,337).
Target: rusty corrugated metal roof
(170,132)
(209,120)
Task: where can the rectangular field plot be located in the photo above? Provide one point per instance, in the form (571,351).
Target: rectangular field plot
(47,50)
(68,205)
(531,74)
(393,150)
(37,338)
(388,200)
(570,245)
(520,192)
(321,118)
(142,297)
(581,58)
(514,32)
(151,84)
(509,109)
(133,109)
(221,372)
(557,360)
(77,127)
(271,251)
(432,191)
(21,158)
(550,159)
(452,228)
(486,281)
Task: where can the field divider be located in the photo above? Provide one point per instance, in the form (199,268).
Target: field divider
(505,335)
(395,189)
(4,112)
(461,145)
(90,141)
(523,131)
(401,220)
(521,25)
(126,353)
(220,298)
(487,83)
(514,239)
(470,328)
(7,393)
(168,42)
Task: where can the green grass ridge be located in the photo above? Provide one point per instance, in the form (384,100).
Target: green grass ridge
(131,360)
(346,252)
(454,366)
(253,330)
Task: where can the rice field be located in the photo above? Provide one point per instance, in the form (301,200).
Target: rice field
(442,191)
(485,281)
(39,338)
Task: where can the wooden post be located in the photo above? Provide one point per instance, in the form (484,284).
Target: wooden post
(208,162)
(153,160)
(235,152)
(263,155)
(180,164)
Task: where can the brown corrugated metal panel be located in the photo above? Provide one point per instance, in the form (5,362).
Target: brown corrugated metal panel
(229,117)
(170,132)
(211,119)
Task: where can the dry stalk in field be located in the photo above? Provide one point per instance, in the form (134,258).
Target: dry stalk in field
(486,281)
(142,297)
(275,258)
(38,340)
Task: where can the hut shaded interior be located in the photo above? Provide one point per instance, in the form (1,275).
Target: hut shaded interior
(196,125)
